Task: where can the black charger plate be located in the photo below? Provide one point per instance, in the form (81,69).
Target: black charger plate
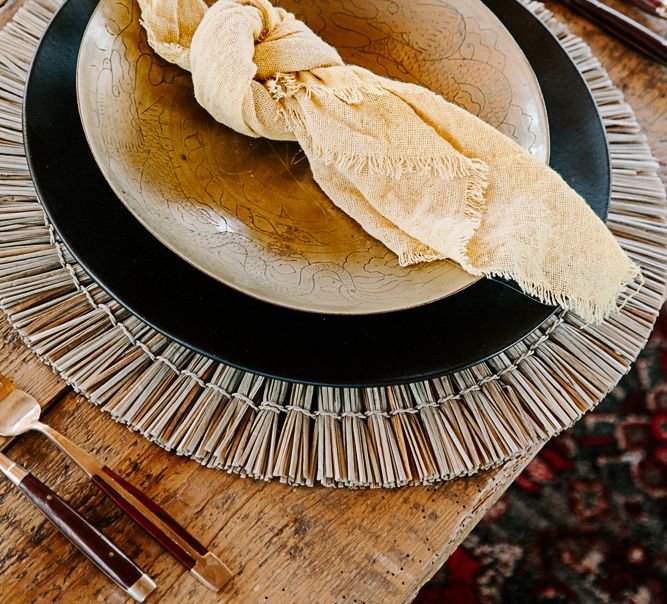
(205,315)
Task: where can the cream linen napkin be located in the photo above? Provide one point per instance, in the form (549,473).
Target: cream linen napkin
(428,179)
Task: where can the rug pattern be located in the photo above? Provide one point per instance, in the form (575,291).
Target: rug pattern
(587,520)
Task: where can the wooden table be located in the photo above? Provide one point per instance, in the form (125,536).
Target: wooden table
(285,544)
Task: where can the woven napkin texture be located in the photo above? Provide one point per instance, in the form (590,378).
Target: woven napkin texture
(425,177)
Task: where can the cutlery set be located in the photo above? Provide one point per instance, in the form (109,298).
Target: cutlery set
(623,27)
(657,8)
(20,413)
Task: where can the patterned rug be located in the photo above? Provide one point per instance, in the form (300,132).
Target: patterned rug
(587,520)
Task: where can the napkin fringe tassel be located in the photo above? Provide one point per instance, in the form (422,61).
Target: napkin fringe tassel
(475,170)
(592,311)
(287,85)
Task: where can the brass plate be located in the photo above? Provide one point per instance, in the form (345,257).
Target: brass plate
(248,212)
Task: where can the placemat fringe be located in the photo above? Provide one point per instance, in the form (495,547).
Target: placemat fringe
(300,434)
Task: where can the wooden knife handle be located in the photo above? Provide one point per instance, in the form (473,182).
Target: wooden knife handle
(618,24)
(653,7)
(206,567)
(111,560)
(164,529)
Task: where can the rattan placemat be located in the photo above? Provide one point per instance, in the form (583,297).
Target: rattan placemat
(266,428)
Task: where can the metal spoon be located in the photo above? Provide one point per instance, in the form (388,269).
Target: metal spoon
(20,412)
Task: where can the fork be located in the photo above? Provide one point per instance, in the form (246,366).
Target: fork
(20,412)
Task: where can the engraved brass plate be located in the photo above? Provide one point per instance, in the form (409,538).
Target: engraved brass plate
(247,211)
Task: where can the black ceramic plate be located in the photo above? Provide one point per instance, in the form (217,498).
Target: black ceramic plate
(198,311)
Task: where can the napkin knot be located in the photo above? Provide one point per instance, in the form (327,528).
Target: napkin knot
(282,43)
(259,49)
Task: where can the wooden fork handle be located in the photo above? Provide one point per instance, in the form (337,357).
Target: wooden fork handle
(110,559)
(164,529)
(616,23)
(657,8)
(155,521)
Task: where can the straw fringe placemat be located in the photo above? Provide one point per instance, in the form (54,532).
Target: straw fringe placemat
(265,428)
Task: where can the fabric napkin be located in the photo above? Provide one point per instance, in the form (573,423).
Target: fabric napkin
(426,178)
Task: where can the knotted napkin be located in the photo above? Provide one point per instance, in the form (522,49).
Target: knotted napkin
(425,177)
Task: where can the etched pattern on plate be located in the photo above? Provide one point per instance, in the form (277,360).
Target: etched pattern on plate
(247,211)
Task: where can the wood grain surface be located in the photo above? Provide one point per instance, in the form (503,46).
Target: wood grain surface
(284,544)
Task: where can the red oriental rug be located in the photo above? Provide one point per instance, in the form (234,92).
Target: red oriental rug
(587,520)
